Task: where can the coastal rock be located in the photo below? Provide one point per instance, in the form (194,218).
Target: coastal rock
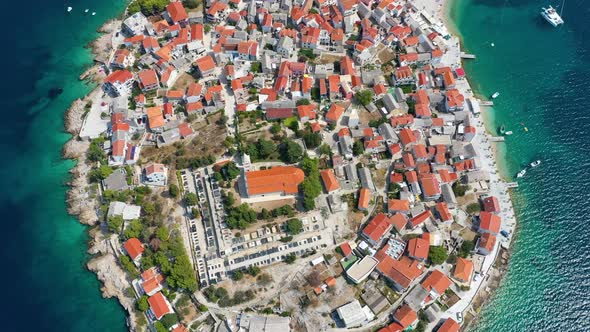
(115,284)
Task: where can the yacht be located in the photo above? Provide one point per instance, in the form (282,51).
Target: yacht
(551,16)
(535,163)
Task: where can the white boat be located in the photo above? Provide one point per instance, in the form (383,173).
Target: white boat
(86,10)
(521,173)
(69,9)
(551,16)
(508,133)
(93,13)
(495,95)
(535,163)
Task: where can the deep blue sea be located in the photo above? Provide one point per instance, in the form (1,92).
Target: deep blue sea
(543,75)
(45,285)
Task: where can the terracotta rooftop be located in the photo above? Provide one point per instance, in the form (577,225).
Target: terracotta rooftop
(283,179)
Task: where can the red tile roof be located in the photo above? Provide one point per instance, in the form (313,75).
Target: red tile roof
(346,249)
(491,204)
(334,113)
(402,271)
(284,179)
(463,270)
(364,198)
(377,227)
(443,212)
(430,185)
(205,63)
(147,77)
(159,305)
(133,247)
(399,221)
(405,316)
(176,11)
(487,241)
(399,205)
(421,218)
(119,76)
(437,281)
(418,248)
(449,326)
(489,222)
(329,179)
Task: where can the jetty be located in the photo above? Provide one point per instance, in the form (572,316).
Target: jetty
(486,103)
(510,185)
(497,139)
(467,56)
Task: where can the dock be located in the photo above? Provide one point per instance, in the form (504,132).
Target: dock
(486,103)
(512,185)
(497,139)
(467,56)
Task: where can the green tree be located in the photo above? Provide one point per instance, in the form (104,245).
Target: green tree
(142,303)
(158,325)
(134,229)
(312,140)
(115,223)
(191,4)
(173,190)
(325,150)
(358,148)
(256,67)
(311,187)
(238,275)
(191,199)
(207,28)
(231,171)
(182,275)
(265,148)
(100,173)
(275,128)
(253,270)
(290,259)
(169,320)
(294,226)
(291,152)
(437,255)
(364,97)
(264,214)
(466,248)
(303,101)
(95,151)
(473,208)
(459,190)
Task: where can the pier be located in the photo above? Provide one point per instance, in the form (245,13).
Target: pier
(467,56)
(497,139)
(510,185)
(486,103)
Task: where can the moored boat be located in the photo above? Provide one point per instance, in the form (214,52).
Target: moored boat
(535,163)
(495,95)
(521,173)
(551,16)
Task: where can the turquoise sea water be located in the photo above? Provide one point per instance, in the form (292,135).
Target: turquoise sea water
(542,74)
(44,282)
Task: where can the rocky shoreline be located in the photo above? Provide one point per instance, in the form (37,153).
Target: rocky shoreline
(79,201)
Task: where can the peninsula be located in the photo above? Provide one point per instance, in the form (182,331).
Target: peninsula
(288,165)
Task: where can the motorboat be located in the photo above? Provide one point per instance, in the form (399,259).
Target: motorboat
(521,173)
(551,16)
(535,163)
(495,95)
